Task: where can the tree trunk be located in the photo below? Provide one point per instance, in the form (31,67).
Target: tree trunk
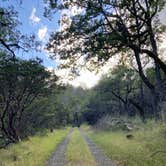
(139,108)
(156,59)
(157,66)
(140,71)
(150,86)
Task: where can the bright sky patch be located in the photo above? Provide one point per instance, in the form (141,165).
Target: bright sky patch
(33,18)
(42,32)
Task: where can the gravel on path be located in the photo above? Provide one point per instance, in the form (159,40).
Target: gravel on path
(58,157)
(100,157)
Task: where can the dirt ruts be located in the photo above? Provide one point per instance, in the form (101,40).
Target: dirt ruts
(58,157)
(100,157)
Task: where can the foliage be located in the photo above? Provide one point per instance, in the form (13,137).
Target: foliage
(21,82)
(25,85)
(106,28)
(102,29)
(64,106)
(72,102)
(120,92)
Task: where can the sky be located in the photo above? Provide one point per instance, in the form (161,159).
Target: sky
(33,21)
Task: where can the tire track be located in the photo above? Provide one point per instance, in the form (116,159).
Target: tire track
(58,157)
(100,157)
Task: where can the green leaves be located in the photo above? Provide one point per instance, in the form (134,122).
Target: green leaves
(21,82)
(107,28)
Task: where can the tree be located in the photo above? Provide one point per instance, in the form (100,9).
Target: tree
(106,28)
(124,86)
(117,95)
(72,102)
(120,92)
(44,113)
(21,82)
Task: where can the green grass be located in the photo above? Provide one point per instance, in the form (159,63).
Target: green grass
(34,151)
(78,153)
(139,151)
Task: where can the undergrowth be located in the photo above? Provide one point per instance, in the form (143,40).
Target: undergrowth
(146,145)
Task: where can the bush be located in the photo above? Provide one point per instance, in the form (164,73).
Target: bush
(117,123)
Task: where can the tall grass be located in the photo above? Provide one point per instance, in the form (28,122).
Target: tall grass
(78,153)
(34,151)
(146,148)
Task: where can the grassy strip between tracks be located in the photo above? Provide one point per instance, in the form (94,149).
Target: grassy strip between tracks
(78,152)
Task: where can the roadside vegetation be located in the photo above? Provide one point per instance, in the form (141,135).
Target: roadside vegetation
(120,40)
(144,146)
(78,152)
(34,151)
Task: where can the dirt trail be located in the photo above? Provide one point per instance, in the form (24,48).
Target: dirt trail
(100,157)
(58,157)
